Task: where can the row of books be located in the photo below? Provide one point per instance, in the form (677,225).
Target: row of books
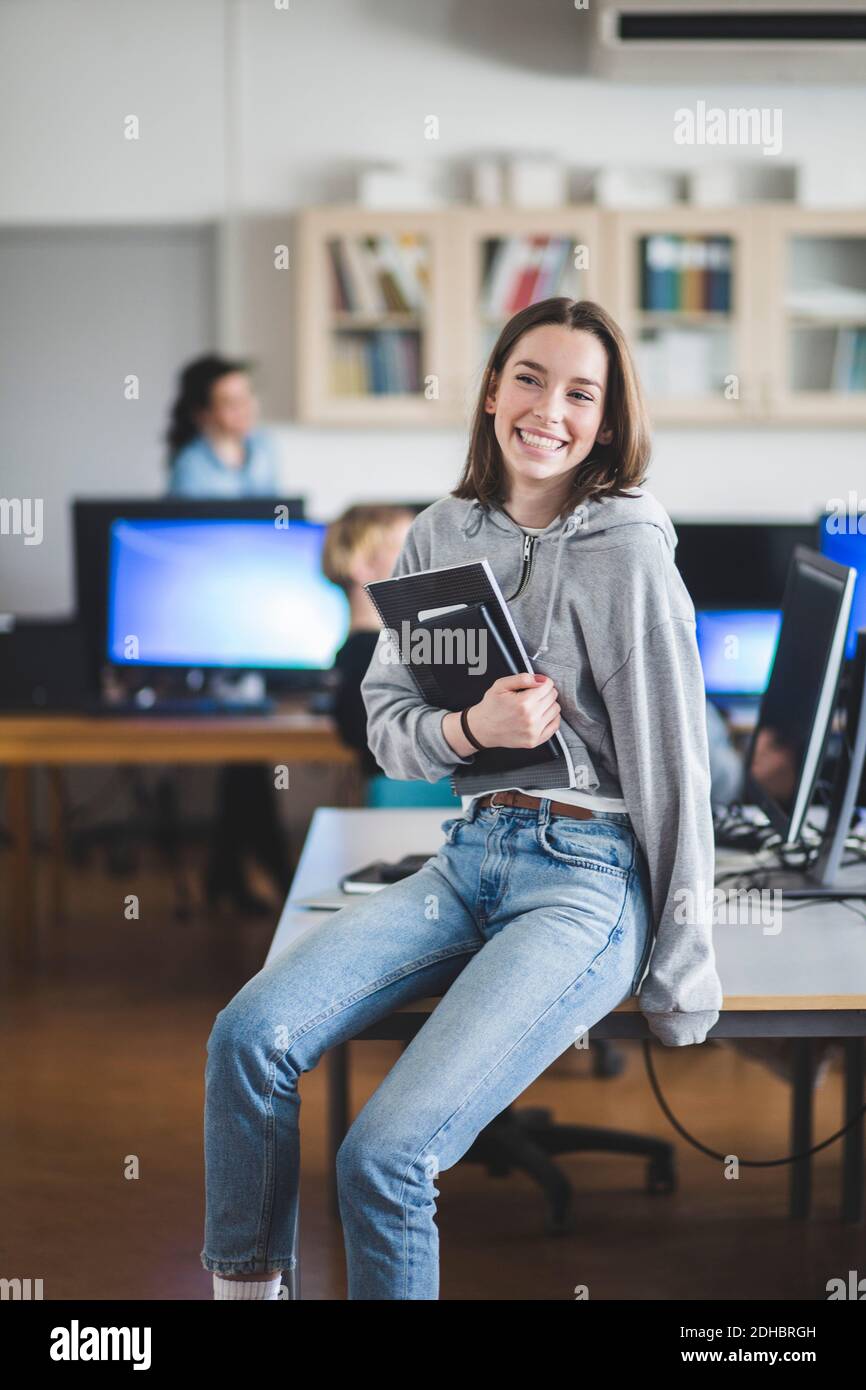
(849,360)
(522,270)
(381,362)
(691,273)
(379,274)
(684,363)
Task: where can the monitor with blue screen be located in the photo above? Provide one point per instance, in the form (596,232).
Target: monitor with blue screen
(842,542)
(737,648)
(221,593)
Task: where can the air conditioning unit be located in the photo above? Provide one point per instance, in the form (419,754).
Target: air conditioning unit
(729,40)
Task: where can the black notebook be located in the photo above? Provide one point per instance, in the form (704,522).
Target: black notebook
(463,603)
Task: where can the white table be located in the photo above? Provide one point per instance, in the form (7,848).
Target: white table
(808,981)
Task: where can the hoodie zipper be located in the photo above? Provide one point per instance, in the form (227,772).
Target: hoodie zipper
(528,548)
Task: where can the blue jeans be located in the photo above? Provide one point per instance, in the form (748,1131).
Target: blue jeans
(531,927)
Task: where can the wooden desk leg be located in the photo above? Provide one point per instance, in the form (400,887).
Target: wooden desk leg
(58,843)
(351,785)
(19,801)
(853,1175)
(338,1111)
(801,1128)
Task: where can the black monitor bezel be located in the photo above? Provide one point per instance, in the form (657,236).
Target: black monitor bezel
(786,822)
(712,596)
(92,518)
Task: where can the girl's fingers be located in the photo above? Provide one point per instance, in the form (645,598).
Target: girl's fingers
(542,694)
(548,731)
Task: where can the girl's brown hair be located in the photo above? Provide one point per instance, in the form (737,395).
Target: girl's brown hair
(610,468)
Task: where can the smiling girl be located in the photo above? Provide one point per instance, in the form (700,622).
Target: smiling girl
(553,890)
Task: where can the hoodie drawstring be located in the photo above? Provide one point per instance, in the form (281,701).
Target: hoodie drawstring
(474,518)
(575,520)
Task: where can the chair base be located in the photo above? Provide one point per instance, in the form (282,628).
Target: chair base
(526,1139)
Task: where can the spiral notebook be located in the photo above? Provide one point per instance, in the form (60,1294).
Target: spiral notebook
(466,598)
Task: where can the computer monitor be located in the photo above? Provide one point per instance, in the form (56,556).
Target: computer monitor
(92,521)
(736,648)
(788,743)
(842,542)
(738,565)
(228,593)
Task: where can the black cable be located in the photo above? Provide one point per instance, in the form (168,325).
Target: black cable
(734,830)
(743,1162)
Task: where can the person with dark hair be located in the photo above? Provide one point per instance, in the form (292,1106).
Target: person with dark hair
(213,448)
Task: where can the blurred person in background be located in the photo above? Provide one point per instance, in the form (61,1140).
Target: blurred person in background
(216,451)
(214,448)
(361,546)
(727,770)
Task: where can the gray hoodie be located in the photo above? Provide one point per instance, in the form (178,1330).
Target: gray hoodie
(603,611)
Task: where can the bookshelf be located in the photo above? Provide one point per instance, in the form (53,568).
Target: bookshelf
(816,315)
(745,314)
(510,258)
(372,320)
(684,299)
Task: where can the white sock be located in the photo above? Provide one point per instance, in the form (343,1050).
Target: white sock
(246,1288)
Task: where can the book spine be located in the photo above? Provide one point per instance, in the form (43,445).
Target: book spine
(719,275)
(339,293)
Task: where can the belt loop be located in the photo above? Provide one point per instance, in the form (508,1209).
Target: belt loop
(543,812)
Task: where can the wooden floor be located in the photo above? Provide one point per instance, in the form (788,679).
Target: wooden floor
(103,1046)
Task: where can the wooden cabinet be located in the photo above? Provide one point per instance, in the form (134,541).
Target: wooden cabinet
(814,326)
(684,292)
(733,314)
(374,318)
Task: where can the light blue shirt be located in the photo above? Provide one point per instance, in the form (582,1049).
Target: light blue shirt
(198,472)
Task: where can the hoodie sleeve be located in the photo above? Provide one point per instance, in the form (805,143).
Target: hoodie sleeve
(404,733)
(657,708)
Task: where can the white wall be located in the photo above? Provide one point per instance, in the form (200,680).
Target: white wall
(322,88)
(310,95)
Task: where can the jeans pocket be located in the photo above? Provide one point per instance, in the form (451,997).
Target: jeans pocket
(451,828)
(600,845)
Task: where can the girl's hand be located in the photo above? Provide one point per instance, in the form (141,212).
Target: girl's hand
(519,711)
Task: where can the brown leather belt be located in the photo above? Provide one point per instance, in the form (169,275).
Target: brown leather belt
(557,808)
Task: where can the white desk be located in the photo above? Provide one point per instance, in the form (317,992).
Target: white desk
(816,962)
(807,981)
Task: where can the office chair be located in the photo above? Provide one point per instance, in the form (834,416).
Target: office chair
(386,792)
